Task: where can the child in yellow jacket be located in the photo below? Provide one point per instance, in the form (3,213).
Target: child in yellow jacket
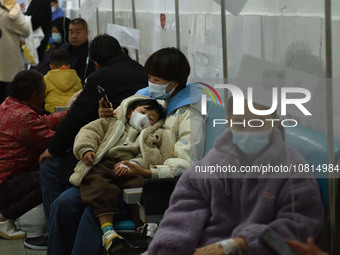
(61,82)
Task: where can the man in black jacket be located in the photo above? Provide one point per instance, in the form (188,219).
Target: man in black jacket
(76,42)
(121,77)
(78,48)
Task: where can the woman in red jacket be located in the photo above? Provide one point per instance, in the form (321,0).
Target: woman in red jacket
(24,135)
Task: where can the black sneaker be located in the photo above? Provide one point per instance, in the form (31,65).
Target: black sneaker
(36,243)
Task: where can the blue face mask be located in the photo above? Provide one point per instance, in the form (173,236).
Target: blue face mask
(53,9)
(158,91)
(251,142)
(56,37)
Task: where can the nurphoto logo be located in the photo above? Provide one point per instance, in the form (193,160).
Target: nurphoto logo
(288,96)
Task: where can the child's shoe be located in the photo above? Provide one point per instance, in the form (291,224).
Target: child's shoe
(112,242)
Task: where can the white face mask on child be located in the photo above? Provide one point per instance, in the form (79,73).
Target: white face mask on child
(139,121)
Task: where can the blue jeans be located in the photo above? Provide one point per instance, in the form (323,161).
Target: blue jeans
(72,227)
(50,189)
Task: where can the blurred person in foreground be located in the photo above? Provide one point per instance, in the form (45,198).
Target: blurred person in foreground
(225,213)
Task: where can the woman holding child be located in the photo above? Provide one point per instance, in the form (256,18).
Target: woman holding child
(73,229)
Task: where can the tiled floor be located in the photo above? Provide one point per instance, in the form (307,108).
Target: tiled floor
(16,247)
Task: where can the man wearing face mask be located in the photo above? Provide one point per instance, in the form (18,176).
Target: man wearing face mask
(56,11)
(226,212)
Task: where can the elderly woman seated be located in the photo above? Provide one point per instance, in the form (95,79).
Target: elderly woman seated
(24,135)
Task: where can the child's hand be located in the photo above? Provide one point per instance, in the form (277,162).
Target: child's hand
(120,169)
(136,169)
(131,168)
(89,158)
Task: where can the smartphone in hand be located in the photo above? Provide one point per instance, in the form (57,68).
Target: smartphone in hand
(276,244)
(103,94)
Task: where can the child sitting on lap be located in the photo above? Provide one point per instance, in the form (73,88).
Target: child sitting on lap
(116,154)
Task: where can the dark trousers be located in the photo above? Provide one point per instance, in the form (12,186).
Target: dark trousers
(19,194)
(73,229)
(54,175)
(101,187)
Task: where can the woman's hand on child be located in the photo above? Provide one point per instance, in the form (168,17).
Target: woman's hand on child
(89,158)
(104,111)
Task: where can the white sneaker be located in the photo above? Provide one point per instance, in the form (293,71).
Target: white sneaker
(9,231)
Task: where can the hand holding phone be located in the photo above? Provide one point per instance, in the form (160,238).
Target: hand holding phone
(103,94)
